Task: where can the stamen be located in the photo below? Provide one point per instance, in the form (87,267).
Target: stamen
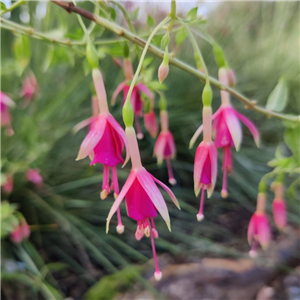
(253,252)
(154,231)
(139,231)
(224,192)
(157,273)
(105,183)
(200,215)
(147,227)
(172,180)
(139,135)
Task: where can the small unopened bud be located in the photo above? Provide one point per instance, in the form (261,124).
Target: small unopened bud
(163,72)
(200,217)
(120,229)
(158,276)
(231,78)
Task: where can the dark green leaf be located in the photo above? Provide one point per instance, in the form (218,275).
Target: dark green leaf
(192,14)
(278,97)
(126,49)
(113,14)
(3,7)
(180,36)
(150,21)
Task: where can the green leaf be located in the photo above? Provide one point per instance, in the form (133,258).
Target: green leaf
(291,138)
(192,14)
(150,21)
(165,41)
(48,59)
(134,15)
(157,40)
(22,50)
(113,14)
(117,50)
(102,51)
(147,61)
(278,98)
(180,36)
(156,85)
(3,7)
(126,49)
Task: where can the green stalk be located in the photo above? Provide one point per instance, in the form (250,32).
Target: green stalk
(15,5)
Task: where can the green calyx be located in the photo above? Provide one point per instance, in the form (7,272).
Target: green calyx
(262,187)
(219,56)
(162,102)
(92,56)
(166,57)
(128,114)
(207,95)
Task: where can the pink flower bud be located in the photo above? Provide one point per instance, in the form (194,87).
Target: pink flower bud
(279,213)
(163,72)
(34,176)
(16,235)
(29,87)
(8,185)
(231,78)
(151,123)
(25,229)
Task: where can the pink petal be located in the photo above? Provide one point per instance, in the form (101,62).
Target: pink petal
(159,148)
(200,129)
(214,168)
(126,187)
(117,92)
(264,234)
(279,213)
(200,158)
(171,144)
(142,88)
(155,195)
(6,100)
(121,133)
(234,126)
(92,138)
(168,190)
(82,124)
(251,229)
(250,126)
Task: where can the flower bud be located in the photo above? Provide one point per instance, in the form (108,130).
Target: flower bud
(92,56)
(163,72)
(219,56)
(231,78)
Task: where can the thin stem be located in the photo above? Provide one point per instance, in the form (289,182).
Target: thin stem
(137,72)
(15,5)
(125,14)
(196,49)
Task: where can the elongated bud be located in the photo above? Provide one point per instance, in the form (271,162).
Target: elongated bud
(219,56)
(231,78)
(163,70)
(207,95)
(128,115)
(92,56)
(128,70)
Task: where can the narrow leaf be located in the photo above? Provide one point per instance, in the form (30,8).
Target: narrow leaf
(278,98)
(180,37)
(192,14)
(150,21)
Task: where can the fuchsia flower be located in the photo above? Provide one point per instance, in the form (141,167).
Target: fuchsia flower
(227,130)
(143,198)
(6,103)
(8,184)
(165,147)
(150,123)
(135,99)
(205,166)
(279,207)
(25,229)
(34,176)
(259,229)
(16,235)
(104,142)
(29,87)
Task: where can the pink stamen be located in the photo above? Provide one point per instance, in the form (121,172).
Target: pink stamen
(200,215)
(157,273)
(139,135)
(172,180)
(154,231)
(105,183)
(115,187)
(224,192)
(253,252)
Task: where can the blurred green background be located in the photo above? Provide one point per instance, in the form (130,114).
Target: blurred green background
(68,250)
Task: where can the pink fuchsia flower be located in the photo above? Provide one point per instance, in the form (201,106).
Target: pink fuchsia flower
(25,229)
(8,184)
(143,198)
(29,87)
(227,130)
(16,235)
(259,230)
(165,147)
(6,103)
(135,99)
(151,123)
(104,143)
(34,176)
(205,166)
(279,207)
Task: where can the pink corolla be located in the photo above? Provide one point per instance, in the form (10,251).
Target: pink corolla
(6,103)
(205,166)
(34,176)
(227,130)
(135,98)
(259,230)
(104,143)
(279,207)
(8,184)
(151,123)
(143,198)
(165,147)
(16,235)
(29,87)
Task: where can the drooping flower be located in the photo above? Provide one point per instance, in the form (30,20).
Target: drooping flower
(151,123)
(29,87)
(25,229)
(16,235)
(135,98)
(165,147)
(143,198)
(259,229)
(104,143)
(8,184)
(205,166)
(6,103)
(227,130)
(279,207)
(34,176)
